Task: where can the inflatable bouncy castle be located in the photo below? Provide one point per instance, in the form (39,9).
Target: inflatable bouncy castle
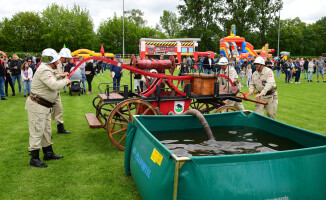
(235,46)
(3,56)
(88,53)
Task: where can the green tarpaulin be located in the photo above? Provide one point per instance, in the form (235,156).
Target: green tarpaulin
(293,174)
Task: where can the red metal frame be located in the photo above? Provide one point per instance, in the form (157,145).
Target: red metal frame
(159,77)
(167,106)
(196,54)
(152,88)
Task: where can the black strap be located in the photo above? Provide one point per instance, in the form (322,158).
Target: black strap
(37,99)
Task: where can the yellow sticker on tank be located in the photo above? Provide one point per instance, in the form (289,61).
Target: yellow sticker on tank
(157,157)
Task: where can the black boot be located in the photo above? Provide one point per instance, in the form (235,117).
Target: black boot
(35,159)
(61,129)
(49,154)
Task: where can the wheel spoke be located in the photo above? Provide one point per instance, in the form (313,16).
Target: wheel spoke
(123,137)
(118,131)
(130,117)
(119,119)
(137,108)
(112,105)
(115,122)
(146,111)
(123,116)
(209,108)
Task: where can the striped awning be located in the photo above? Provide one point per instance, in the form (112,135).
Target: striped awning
(170,43)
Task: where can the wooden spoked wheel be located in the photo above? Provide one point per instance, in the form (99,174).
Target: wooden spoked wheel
(103,111)
(121,115)
(202,107)
(205,108)
(224,109)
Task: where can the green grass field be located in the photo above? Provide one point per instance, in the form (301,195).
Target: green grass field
(92,167)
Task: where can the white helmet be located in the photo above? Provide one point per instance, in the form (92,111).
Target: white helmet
(223,61)
(259,60)
(153,71)
(65,53)
(49,56)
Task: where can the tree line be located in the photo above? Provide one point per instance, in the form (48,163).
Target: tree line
(210,20)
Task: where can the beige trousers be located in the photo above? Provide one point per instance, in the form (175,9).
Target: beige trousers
(57,111)
(271,108)
(39,130)
(235,104)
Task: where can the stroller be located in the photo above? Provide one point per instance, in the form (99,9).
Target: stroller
(76,84)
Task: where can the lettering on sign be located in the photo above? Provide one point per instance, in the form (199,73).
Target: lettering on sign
(141,163)
(280,198)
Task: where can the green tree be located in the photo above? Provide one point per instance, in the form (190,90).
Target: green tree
(22,32)
(169,23)
(319,28)
(64,25)
(241,13)
(136,16)
(292,39)
(3,42)
(110,35)
(6,35)
(310,40)
(200,19)
(266,12)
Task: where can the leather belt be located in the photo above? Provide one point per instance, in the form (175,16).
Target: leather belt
(37,99)
(270,92)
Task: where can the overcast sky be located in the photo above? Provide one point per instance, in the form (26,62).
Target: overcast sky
(308,11)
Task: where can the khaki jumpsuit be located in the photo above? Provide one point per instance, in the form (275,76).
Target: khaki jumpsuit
(264,82)
(230,71)
(57,108)
(46,86)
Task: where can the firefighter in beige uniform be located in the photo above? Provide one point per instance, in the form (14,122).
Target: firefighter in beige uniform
(232,74)
(263,81)
(65,54)
(39,105)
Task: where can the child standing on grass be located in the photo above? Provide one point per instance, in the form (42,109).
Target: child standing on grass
(26,74)
(249,75)
(243,74)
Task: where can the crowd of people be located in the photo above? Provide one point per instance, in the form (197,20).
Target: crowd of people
(17,70)
(296,68)
(21,71)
